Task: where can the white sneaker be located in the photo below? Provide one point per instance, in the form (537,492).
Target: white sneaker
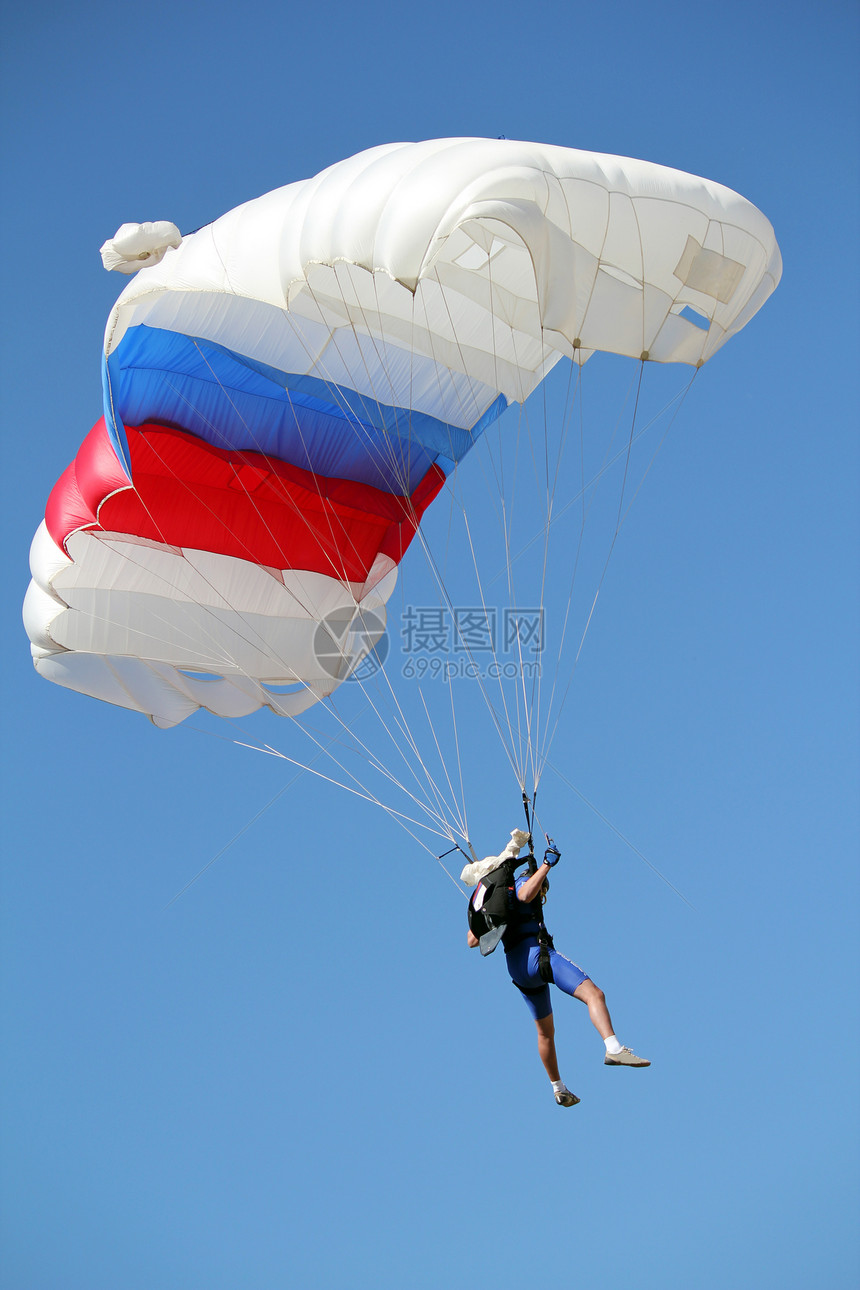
(566,1098)
(625,1058)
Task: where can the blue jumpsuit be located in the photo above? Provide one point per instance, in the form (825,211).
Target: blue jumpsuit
(521,955)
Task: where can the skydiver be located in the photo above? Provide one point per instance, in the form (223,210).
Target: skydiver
(520,940)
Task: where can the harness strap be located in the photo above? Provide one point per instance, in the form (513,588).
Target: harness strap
(527,989)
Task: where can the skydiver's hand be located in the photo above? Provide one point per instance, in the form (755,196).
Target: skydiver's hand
(551,856)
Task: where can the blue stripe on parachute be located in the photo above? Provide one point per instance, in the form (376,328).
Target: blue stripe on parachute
(233,402)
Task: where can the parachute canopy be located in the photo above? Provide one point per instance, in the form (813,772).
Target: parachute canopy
(287,389)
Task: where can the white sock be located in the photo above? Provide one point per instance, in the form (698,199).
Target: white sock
(613,1047)
(559,1086)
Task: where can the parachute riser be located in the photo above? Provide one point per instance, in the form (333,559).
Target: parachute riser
(544,939)
(457,847)
(532,862)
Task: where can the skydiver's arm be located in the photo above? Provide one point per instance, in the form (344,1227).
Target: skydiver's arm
(471,939)
(529,889)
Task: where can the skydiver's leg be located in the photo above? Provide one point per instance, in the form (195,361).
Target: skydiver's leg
(546,1046)
(569,976)
(595,1000)
(538,1003)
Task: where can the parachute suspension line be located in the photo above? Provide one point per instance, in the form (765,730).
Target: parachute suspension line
(499,503)
(577,557)
(627,458)
(527,704)
(344,659)
(496,496)
(468,651)
(437,573)
(678,402)
(533,865)
(586,507)
(330,707)
(512,746)
(573,397)
(460,889)
(507,522)
(522,704)
(439,577)
(442,828)
(619,834)
(340,573)
(630,442)
(522,749)
(358,746)
(396,466)
(280,793)
(447,828)
(570,402)
(459,759)
(360,792)
(460,811)
(578,496)
(501,492)
(531,704)
(403,723)
(458,344)
(534,703)
(253,820)
(441,807)
(463,823)
(522,754)
(475,669)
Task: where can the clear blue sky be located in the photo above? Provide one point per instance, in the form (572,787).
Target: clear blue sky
(249,1090)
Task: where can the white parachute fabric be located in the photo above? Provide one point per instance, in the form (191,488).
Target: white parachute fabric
(165,632)
(472,255)
(473,873)
(134,246)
